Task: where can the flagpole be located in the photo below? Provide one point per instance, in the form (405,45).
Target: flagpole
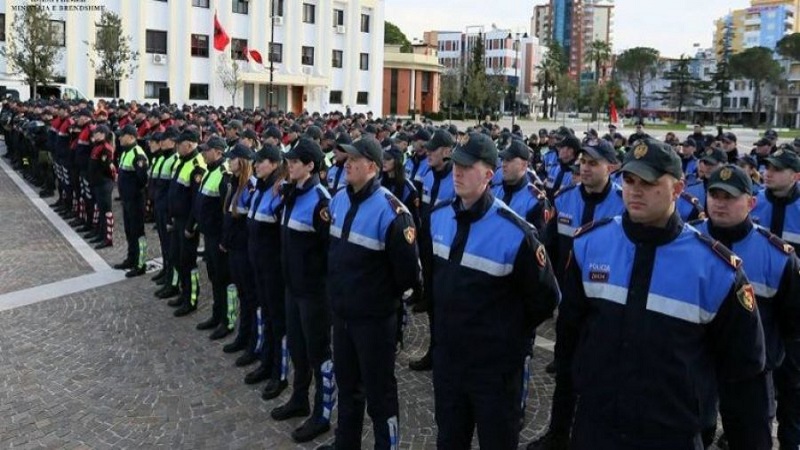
(271,41)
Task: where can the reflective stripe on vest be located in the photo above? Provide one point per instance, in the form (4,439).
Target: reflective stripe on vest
(128,157)
(211,181)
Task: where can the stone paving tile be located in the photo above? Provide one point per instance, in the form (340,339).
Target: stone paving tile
(33,252)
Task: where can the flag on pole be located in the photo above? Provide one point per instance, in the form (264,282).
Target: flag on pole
(256,56)
(221,38)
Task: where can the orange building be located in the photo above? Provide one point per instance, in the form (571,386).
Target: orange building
(411,81)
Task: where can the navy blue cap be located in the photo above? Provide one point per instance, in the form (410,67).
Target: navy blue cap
(272,132)
(314,132)
(713,155)
(516,149)
(170,133)
(731,179)
(217,143)
(421,135)
(269,152)
(344,138)
(188,135)
(479,147)
(366,147)
(240,151)
(441,138)
(601,150)
(101,129)
(250,134)
(784,158)
(650,159)
(393,153)
(306,151)
(127,129)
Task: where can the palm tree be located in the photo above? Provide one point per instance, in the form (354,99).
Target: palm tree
(598,53)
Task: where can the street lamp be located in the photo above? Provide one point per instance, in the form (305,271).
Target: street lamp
(271,45)
(516,76)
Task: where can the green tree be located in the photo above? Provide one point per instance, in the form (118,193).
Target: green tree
(684,88)
(638,66)
(393,35)
(32,47)
(789,46)
(497,87)
(110,54)
(598,53)
(548,72)
(477,87)
(230,75)
(720,84)
(757,65)
(568,93)
(452,86)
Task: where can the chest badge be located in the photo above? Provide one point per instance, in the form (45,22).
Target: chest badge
(541,256)
(410,233)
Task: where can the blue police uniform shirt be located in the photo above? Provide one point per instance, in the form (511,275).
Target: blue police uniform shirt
(698,191)
(689,207)
(789,229)
(265,204)
(689,170)
(434,193)
(525,198)
(644,350)
(337,178)
(416,171)
(552,177)
(570,206)
(550,159)
(764,264)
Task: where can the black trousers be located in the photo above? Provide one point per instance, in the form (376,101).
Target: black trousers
(308,331)
(218,275)
(787,396)
(102,195)
(466,398)
(365,357)
(244,279)
(133,219)
(164,238)
(588,434)
(184,250)
(271,301)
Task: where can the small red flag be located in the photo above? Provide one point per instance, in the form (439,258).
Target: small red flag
(221,38)
(613,114)
(256,56)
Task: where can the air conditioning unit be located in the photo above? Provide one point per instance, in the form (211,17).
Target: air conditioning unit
(277,20)
(307,70)
(159,59)
(340,29)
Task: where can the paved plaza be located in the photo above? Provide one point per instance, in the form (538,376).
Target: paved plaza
(108,366)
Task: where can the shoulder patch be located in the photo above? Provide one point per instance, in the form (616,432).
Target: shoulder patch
(397,206)
(691,199)
(592,226)
(322,193)
(696,222)
(776,242)
(720,250)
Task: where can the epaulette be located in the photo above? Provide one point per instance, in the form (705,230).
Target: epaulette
(536,192)
(397,206)
(691,199)
(592,226)
(777,242)
(512,217)
(720,250)
(696,222)
(565,189)
(443,204)
(322,193)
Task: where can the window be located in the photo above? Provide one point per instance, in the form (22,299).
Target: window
(338,55)
(200,3)
(200,45)
(238,47)
(277,6)
(276,54)
(198,91)
(365,23)
(308,13)
(308,56)
(152,88)
(362,98)
(58,29)
(338,17)
(364,61)
(336,97)
(2,27)
(103,88)
(744,102)
(240,6)
(156,41)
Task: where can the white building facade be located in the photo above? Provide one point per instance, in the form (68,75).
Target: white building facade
(327,54)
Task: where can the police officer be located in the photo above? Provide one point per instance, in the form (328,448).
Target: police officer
(711,159)
(729,147)
(372,261)
(773,270)
(101,175)
(517,191)
(336,178)
(234,243)
(778,206)
(645,333)
(264,247)
(131,184)
(186,178)
(493,284)
(81,148)
(162,176)
(559,176)
(778,209)
(417,164)
(208,214)
(437,187)
(689,163)
(304,245)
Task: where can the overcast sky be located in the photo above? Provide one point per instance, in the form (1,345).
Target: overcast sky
(672,27)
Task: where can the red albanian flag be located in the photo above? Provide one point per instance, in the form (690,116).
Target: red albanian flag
(221,38)
(256,56)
